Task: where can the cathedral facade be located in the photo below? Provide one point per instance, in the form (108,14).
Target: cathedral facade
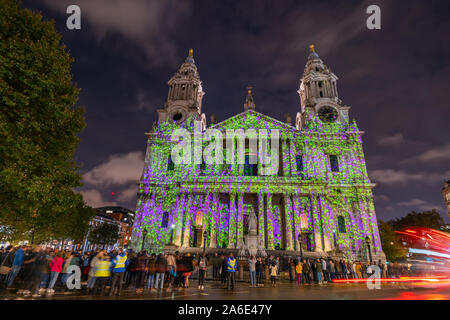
(320,197)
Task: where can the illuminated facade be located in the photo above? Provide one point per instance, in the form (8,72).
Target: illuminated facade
(321,193)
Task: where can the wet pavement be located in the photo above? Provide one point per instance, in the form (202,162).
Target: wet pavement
(284,291)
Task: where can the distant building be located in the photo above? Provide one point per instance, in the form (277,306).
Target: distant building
(446,195)
(120,216)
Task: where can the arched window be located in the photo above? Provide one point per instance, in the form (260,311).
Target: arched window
(199,219)
(341,224)
(170,164)
(303,221)
(165,220)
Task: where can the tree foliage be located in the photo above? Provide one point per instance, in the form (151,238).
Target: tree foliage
(427,219)
(38,129)
(390,242)
(104,234)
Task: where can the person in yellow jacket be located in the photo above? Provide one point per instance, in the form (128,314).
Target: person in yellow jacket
(299,271)
(102,273)
(358,269)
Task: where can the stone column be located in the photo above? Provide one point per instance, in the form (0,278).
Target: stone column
(240,218)
(317,226)
(286,157)
(327,221)
(187,221)
(179,223)
(289,223)
(261,224)
(232,222)
(269,222)
(213,220)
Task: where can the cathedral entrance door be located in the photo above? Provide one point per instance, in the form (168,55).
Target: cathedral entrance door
(198,235)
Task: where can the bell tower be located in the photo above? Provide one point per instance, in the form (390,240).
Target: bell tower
(318,92)
(185,95)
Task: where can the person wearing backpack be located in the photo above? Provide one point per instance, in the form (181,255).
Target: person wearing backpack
(202,265)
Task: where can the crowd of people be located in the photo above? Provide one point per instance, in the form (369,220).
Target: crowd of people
(38,271)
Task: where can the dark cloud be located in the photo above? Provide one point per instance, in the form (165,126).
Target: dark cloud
(395,79)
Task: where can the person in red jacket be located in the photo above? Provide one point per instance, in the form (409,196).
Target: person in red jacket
(56,266)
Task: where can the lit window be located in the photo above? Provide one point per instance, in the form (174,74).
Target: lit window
(199,218)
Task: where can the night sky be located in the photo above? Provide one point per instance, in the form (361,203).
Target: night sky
(395,79)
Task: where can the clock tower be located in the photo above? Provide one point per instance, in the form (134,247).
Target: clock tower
(185,95)
(318,93)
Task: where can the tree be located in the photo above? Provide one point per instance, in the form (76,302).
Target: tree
(39,124)
(427,219)
(104,234)
(392,247)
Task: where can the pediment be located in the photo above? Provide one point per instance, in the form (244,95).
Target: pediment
(251,119)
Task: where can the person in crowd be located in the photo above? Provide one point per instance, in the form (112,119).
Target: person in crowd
(331,270)
(252,270)
(318,266)
(35,262)
(49,254)
(180,270)
(161,268)
(202,266)
(92,270)
(306,270)
(151,271)
(102,274)
(56,266)
(231,269)
(358,270)
(223,270)
(119,264)
(172,268)
(216,263)
(141,267)
(6,263)
(324,270)
(16,266)
(85,266)
(291,269)
(131,270)
(259,268)
(338,269)
(278,263)
(188,265)
(273,273)
(299,271)
(66,264)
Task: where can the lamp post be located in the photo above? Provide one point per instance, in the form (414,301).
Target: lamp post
(172,227)
(368,248)
(300,245)
(144,234)
(334,239)
(205,234)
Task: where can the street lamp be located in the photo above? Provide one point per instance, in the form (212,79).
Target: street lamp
(144,234)
(172,227)
(368,248)
(334,239)
(205,234)
(300,245)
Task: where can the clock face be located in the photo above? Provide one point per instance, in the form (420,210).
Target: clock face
(328,114)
